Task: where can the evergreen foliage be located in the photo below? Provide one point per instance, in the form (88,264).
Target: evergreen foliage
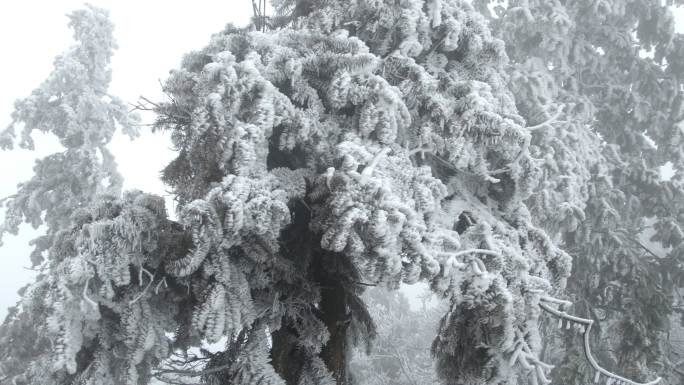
(602,80)
(356,143)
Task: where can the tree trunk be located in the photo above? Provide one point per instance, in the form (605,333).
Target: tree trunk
(332,310)
(334,314)
(328,270)
(286,358)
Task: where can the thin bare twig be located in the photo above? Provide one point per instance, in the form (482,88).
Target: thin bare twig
(146,100)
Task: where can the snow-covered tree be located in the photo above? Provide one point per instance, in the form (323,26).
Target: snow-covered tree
(73,105)
(356,143)
(412,165)
(602,80)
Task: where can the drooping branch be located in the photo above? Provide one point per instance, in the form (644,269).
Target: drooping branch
(430,150)
(85,294)
(368,170)
(142,270)
(476,263)
(529,361)
(547,122)
(585,326)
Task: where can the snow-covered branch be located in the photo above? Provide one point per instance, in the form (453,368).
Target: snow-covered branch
(547,122)
(142,270)
(524,356)
(585,326)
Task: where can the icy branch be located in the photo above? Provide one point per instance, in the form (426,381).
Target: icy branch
(529,361)
(143,270)
(475,251)
(585,326)
(561,302)
(156,288)
(476,263)
(548,122)
(526,144)
(85,294)
(368,170)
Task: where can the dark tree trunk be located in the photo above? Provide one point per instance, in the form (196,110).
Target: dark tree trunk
(287,359)
(334,314)
(330,271)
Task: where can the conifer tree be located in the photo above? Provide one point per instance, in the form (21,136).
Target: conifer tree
(356,143)
(602,81)
(73,105)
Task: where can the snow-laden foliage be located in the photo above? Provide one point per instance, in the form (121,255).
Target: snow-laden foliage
(73,105)
(603,80)
(413,170)
(89,314)
(359,143)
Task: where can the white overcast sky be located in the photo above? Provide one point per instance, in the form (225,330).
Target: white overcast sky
(152,35)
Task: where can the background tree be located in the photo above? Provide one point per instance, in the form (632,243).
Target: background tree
(602,82)
(400,353)
(74,106)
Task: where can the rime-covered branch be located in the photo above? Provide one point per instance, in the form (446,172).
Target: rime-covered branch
(585,328)
(547,122)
